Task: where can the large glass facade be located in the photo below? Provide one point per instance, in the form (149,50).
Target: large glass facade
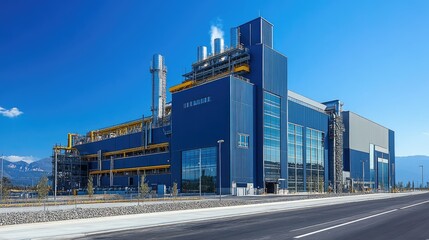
(295,158)
(315,164)
(271,137)
(199,170)
(383,174)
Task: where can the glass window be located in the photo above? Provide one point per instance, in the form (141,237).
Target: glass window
(271,137)
(243,140)
(382,173)
(199,170)
(315,160)
(295,156)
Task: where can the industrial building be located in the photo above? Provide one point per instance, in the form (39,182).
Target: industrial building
(249,134)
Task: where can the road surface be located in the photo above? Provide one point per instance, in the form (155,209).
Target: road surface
(393,218)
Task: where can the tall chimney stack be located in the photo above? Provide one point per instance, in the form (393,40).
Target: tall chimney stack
(159,82)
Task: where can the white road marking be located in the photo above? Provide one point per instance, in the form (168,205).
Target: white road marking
(413,205)
(343,224)
(319,224)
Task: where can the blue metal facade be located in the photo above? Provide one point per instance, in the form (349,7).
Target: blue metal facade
(268,73)
(228,112)
(392,161)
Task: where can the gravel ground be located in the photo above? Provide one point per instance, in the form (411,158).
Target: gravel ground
(80,213)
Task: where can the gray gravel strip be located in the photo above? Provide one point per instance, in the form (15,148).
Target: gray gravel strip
(10,218)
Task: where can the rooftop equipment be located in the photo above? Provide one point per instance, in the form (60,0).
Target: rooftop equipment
(201,53)
(235,37)
(218,45)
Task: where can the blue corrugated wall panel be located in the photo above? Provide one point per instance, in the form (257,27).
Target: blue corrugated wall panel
(92,165)
(346,135)
(255,76)
(392,156)
(255,32)
(154,179)
(267,33)
(142,161)
(202,125)
(356,158)
(275,81)
(268,73)
(346,159)
(242,163)
(132,162)
(121,142)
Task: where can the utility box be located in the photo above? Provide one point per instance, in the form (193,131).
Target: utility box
(161,190)
(242,189)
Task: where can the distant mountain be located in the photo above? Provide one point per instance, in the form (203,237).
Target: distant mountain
(27,174)
(408,169)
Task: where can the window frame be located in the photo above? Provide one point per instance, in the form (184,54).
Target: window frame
(243,140)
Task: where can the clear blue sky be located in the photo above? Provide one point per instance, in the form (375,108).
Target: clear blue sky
(73,66)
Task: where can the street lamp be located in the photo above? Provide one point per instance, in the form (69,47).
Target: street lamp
(363,175)
(220,168)
(1,189)
(56,174)
(422,177)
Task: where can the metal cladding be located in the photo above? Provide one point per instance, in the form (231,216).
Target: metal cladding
(201,53)
(158,61)
(235,37)
(218,45)
(159,82)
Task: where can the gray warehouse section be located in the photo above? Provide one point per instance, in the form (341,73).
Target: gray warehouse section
(369,158)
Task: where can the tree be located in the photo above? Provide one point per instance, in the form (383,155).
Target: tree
(6,185)
(90,187)
(400,185)
(321,185)
(408,185)
(42,187)
(144,187)
(174,192)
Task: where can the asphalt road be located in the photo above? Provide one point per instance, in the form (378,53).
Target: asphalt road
(395,218)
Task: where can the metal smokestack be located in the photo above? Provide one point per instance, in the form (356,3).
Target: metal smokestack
(201,53)
(218,45)
(159,82)
(235,37)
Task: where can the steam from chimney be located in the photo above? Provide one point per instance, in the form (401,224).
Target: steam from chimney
(215,32)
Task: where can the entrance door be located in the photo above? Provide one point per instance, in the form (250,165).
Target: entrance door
(270,187)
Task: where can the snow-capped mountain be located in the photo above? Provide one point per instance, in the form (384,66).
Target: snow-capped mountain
(27,174)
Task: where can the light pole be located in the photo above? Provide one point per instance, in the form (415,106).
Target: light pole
(422,177)
(363,175)
(220,168)
(1,190)
(200,170)
(56,174)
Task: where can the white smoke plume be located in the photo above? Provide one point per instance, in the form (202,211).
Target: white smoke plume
(13,112)
(215,32)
